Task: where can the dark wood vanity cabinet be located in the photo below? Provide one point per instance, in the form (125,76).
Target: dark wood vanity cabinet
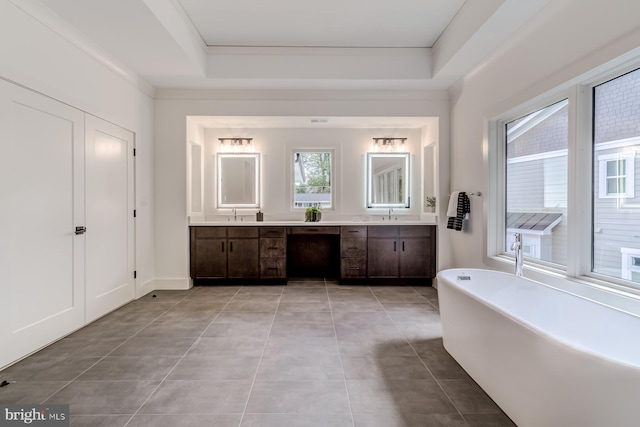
(393,254)
(224,253)
(405,251)
(353,252)
(273,253)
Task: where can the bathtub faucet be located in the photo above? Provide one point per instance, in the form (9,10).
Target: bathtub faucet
(516,247)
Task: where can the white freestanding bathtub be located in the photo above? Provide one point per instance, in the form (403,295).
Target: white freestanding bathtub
(546,357)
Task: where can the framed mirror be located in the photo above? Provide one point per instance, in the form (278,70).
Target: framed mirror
(238,179)
(388,180)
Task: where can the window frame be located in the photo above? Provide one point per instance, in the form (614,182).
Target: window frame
(629,176)
(580,198)
(292,186)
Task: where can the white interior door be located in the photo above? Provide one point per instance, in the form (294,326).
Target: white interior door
(109,217)
(41,203)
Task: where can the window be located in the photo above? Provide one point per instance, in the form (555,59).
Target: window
(536,182)
(312,178)
(616,210)
(588,226)
(616,175)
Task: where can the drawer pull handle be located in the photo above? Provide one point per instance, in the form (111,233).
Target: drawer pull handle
(272,247)
(313,229)
(353,247)
(354,268)
(354,231)
(272,268)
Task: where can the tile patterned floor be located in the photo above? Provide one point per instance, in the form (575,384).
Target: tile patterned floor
(308,354)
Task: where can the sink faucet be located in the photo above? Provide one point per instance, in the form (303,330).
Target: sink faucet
(390,210)
(516,246)
(235,217)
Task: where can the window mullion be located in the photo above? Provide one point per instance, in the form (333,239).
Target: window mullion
(580,180)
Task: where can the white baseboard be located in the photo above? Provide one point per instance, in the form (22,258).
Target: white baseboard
(173,284)
(144,288)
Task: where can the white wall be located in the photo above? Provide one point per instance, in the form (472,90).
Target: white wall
(568,38)
(172,108)
(40,58)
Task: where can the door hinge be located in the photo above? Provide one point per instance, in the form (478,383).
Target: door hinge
(135,274)
(134,213)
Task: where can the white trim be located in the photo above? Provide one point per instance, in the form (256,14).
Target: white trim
(618,143)
(172,284)
(627,266)
(539,156)
(534,119)
(144,288)
(630,175)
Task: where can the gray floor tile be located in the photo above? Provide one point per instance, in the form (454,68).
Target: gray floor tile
(297,420)
(438,360)
(304,306)
(173,330)
(489,420)
(215,290)
(109,330)
(28,392)
(204,301)
(198,397)
(355,306)
(251,318)
(302,297)
(215,368)
(194,314)
(228,346)
(303,329)
(468,397)
(392,419)
(81,347)
(302,316)
(301,346)
(405,368)
(401,298)
(314,367)
(165,420)
(420,331)
(344,318)
(253,306)
(163,296)
(155,346)
(48,368)
(137,313)
(238,330)
(104,397)
(240,297)
(99,420)
(368,347)
(130,368)
(404,396)
(300,397)
(386,331)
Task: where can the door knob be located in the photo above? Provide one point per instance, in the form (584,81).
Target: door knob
(81,230)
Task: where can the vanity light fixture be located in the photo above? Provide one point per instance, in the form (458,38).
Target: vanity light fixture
(236,145)
(389,145)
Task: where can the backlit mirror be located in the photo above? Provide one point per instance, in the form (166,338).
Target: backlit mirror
(238,180)
(388,180)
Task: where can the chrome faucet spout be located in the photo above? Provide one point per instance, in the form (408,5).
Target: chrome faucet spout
(235,217)
(390,210)
(516,247)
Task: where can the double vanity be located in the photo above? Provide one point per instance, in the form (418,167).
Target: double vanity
(273,252)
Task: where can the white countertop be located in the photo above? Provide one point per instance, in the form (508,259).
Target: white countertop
(254,223)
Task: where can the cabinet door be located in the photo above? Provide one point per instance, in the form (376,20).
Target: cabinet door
(416,257)
(382,258)
(243,259)
(210,258)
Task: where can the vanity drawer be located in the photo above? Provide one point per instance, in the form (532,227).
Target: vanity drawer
(210,232)
(273,248)
(416,230)
(242,232)
(353,231)
(273,268)
(273,231)
(383,231)
(353,267)
(353,247)
(313,230)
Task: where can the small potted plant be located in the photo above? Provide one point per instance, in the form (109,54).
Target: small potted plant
(313,214)
(430,204)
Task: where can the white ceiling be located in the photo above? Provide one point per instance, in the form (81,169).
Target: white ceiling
(327,23)
(290,44)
